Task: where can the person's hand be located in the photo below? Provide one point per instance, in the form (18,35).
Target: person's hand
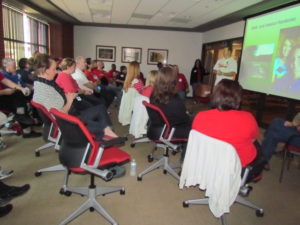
(88,92)
(71,96)
(8,91)
(288,124)
(26,91)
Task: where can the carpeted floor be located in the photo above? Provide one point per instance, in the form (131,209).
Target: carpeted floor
(156,200)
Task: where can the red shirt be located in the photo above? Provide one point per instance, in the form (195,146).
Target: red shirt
(138,85)
(96,75)
(238,128)
(1,78)
(181,82)
(111,74)
(67,83)
(147,91)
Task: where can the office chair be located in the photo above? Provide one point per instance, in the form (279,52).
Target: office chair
(215,166)
(289,151)
(51,136)
(126,106)
(139,120)
(162,137)
(81,154)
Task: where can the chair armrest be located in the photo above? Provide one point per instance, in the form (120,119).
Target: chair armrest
(113,141)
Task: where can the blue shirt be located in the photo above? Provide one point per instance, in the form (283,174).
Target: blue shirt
(14,78)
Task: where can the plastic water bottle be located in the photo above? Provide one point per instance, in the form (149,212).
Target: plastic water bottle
(133,167)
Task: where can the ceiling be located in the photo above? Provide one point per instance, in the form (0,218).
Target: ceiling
(185,15)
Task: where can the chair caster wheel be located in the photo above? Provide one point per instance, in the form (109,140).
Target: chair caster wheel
(68,193)
(259,213)
(174,152)
(165,172)
(150,158)
(103,195)
(139,178)
(37,173)
(185,205)
(62,191)
(132,145)
(92,209)
(122,192)
(37,154)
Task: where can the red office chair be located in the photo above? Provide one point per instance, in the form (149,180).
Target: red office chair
(51,136)
(81,154)
(289,151)
(162,137)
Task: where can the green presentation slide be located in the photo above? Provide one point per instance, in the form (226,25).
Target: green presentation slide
(270,60)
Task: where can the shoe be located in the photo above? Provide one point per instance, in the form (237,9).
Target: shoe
(5,210)
(24,119)
(32,134)
(5,174)
(5,201)
(13,192)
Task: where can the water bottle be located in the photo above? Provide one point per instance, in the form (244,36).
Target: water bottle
(132,167)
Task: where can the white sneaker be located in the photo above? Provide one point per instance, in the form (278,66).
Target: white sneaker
(5,174)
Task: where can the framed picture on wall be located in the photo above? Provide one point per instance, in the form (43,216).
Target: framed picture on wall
(106,53)
(155,56)
(130,54)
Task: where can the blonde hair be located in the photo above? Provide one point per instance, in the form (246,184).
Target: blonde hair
(66,62)
(151,76)
(133,71)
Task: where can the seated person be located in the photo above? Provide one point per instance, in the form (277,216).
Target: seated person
(121,76)
(280,131)
(227,123)
(25,72)
(148,89)
(50,95)
(166,97)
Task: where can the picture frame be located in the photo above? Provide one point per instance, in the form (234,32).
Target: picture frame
(106,53)
(155,56)
(130,54)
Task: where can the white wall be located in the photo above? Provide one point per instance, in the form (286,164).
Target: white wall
(184,47)
(226,32)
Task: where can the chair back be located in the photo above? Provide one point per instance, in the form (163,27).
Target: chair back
(139,117)
(215,166)
(48,120)
(126,106)
(77,142)
(155,112)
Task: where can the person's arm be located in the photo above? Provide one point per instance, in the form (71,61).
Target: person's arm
(70,98)
(90,85)
(13,85)
(7,91)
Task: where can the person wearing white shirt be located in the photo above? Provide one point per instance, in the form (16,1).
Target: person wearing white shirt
(225,68)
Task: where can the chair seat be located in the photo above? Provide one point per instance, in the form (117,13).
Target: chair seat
(111,156)
(293,148)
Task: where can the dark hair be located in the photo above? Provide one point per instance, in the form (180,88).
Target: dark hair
(159,65)
(41,62)
(88,61)
(122,68)
(113,66)
(227,95)
(22,63)
(165,86)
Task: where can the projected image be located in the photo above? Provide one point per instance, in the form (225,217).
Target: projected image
(270,59)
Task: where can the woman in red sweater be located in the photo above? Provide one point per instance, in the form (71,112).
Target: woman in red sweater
(227,123)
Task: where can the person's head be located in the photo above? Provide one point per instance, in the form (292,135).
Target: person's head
(9,65)
(165,85)
(23,64)
(286,48)
(68,65)
(94,64)
(44,66)
(227,95)
(80,62)
(113,66)
(123,69)
(197,63)
(133,72)
(151,76)
(88,62)
(100,65)
(227,52)
(295,61)
(159,65)
(176,68)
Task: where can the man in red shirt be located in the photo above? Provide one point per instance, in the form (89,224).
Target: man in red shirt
(182,83)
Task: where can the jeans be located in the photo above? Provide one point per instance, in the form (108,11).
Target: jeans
(277,132)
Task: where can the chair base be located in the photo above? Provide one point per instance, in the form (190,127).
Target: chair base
(91,204)
(139,140)
(45,146)
(239,199)
(55,168)
(167,167)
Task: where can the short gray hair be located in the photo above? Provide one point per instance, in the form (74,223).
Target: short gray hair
(78,58)
(7,61)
